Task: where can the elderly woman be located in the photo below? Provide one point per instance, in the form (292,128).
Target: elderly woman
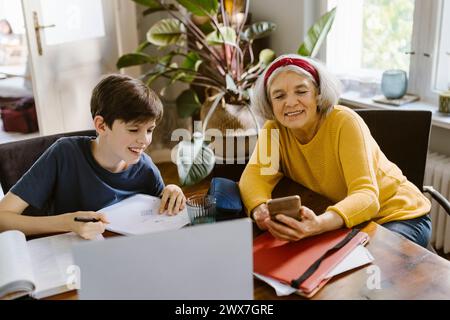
(328,149)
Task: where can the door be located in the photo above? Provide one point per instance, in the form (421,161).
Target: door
(72,44)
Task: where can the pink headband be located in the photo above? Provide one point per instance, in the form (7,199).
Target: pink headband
(305,65)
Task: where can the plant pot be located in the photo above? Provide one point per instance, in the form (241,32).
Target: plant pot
(233,133)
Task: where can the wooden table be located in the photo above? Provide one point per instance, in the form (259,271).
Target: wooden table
(406,270)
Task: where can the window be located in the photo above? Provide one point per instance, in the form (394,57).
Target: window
(371,36)
(13,49)
(12,11)
(443,50)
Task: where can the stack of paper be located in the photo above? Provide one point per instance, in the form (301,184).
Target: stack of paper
(139,214)
(307,265)
(360,256)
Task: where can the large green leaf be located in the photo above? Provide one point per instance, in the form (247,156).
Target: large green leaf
(195,161)
(226,35)
(134,59)
(187,103)
(258,30)
(201,7)
(166,32)
(317,35)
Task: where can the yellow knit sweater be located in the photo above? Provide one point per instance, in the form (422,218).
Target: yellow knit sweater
(342,162)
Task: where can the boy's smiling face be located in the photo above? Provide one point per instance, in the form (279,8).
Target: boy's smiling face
(127,141)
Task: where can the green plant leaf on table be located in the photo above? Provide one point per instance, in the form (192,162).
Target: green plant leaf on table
(167,32)
(195,160)
(317,35)
(201,7)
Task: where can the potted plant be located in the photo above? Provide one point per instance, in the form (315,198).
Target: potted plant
(208,45)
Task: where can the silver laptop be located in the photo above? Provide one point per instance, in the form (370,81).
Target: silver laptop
(209,261)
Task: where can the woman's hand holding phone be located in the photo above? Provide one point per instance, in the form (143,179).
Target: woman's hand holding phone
(288,206)
(290,220)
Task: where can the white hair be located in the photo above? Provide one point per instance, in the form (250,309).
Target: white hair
(328,90)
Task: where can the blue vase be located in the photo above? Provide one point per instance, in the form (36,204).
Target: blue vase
(394,84)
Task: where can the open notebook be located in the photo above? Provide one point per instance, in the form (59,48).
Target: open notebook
(139,214)
(40,267)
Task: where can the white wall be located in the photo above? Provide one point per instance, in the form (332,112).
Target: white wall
(127,31)
(293,19)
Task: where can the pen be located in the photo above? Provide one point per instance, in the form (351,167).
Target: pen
(85,220)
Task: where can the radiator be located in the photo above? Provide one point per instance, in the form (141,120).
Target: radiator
(437,174)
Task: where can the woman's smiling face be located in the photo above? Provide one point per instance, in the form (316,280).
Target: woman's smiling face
(294,101)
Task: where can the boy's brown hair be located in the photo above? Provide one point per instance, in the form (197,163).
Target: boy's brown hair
(120,97)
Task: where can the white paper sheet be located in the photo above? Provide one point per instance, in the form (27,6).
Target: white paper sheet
(358,257)
(139,214)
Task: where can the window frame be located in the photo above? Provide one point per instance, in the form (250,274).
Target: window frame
(425,43)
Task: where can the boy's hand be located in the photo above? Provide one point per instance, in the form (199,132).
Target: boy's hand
(86,230)
(173,200)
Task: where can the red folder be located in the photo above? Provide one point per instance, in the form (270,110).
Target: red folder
(287,261)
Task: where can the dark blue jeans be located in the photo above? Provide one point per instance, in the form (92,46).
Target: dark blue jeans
(417,230)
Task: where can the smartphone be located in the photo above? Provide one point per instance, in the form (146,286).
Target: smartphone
(289,206)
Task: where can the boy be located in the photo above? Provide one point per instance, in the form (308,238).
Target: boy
(77,176)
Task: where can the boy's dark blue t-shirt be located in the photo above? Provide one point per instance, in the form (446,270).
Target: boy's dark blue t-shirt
(66,178)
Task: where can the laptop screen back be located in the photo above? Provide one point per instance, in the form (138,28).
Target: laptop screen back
(210,261)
